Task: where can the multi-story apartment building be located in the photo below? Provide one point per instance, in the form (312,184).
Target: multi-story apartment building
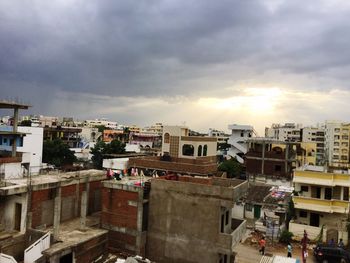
(316,135)
(238,140)
(287,132)
(322,203)
(337,144)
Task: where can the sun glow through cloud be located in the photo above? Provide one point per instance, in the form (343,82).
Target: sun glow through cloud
(252,100)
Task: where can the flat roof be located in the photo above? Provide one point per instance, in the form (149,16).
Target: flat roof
(71,235)
(4,104)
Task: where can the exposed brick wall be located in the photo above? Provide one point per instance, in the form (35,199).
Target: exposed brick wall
(66,191)
(121,242)
(178,165)
(37,198)
(254,167)
(116,210)
(94,205)
(90,250)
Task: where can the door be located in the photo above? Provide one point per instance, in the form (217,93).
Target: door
(318,192)
(257,211)
(18,216)
(314,219)
(328,193)
(332,234)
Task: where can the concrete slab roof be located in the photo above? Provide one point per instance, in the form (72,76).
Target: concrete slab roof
(16,186)
(70,235)
(4,104)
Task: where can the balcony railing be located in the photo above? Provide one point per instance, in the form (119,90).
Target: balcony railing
(321,205)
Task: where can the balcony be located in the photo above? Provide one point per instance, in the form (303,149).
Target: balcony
(321,205)
(321,178)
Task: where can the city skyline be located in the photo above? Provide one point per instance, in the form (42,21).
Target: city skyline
(205,63)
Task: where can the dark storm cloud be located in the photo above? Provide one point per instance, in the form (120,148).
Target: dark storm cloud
(166,48)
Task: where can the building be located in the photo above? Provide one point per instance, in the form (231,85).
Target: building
(177,143)
(190,219)
(337,144)
(287,132)
(58,204)
(322,203)
(69,135)
(238,141)
(156,128)
(110,135)
(100,122)
(124,214)
(10,139)
(273,161)
(316,135)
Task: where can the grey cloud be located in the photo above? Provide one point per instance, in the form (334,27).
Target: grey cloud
(169,48)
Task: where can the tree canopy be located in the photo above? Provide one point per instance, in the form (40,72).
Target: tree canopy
(56,152)
(101,148)
(232,167)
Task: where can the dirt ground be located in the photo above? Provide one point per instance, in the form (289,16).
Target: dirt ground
(272,248)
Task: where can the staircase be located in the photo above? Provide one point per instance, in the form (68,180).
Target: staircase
(237,148)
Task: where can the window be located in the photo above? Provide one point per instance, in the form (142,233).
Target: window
(200,150)
(304,188)
(302,213)
(249,207)
(188,150)
(205,150)
(166,138)
(278,168)
(346,194)
(5,140)
(226,217)
(242,134)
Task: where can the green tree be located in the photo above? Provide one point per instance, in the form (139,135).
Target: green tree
(232,168)
(27,123)
(56,152)
(101,148)
(100,128)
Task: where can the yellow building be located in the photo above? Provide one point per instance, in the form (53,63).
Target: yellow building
(322,200)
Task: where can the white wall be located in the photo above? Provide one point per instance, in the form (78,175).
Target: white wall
(33,145)
(9,214)
(11,170)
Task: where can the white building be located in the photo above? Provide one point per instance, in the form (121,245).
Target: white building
(337,143)
(32,149)
(102,122)
(238,140)
(286,132)
(316,135)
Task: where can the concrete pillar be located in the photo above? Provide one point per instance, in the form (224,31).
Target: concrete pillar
(139,241)
(263,159)
(15,120)
(286,159)
(83,210)
(57,213)
(84,203)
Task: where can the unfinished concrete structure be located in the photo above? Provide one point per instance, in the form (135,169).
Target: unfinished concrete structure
(43,203)
(124,214)
(190,219)
(272,161)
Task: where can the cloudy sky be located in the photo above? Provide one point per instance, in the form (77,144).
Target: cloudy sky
(201,62)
